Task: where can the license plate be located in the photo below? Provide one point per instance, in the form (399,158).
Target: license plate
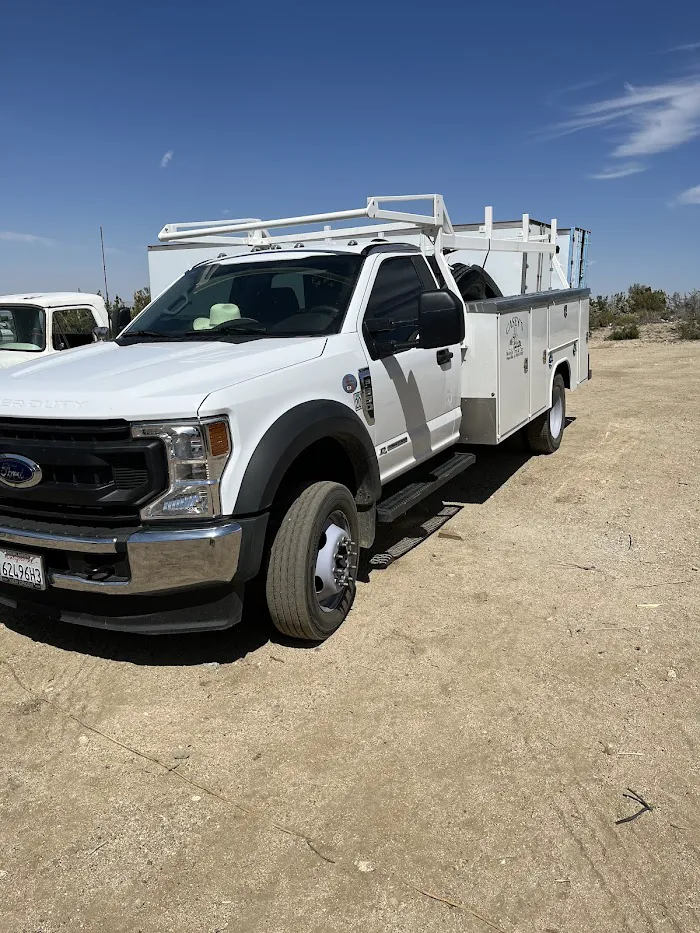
(22,569)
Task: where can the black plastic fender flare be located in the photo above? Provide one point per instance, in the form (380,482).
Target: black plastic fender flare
(290,435)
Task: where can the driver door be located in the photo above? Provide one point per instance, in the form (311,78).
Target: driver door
(416,392)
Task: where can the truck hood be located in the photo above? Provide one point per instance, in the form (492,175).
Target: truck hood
(15,357)
(144,380)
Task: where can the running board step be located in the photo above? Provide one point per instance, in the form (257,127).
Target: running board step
(395,505)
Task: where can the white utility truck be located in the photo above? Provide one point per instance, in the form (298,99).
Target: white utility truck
(38,325)
(267,409)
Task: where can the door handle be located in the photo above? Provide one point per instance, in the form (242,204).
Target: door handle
(443,356)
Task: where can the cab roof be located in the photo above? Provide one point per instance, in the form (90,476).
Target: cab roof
(266,255)
(53,299)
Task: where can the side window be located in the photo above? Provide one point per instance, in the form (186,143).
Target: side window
(426,276)
(72,327)
(8,331)
(391,317)
(437,272)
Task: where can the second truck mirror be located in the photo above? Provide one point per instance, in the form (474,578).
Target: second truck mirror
(440,319)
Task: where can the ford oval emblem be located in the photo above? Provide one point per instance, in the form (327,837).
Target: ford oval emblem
(19,472)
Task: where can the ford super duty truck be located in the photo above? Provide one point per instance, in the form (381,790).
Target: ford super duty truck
(267,410)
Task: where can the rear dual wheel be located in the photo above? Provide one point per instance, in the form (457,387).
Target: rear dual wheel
(545,432)
(312,571)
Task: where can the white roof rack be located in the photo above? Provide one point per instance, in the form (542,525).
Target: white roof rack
(436,228)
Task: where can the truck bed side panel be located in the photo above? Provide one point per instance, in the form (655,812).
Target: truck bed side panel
(540,377)
(584,328)
(513,349)
(513,370)
(563,323)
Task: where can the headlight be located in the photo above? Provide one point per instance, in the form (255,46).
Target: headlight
(197,452)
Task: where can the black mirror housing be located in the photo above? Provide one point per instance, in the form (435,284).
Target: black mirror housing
(123,318)
(100,334)
(119,318)
(440,319)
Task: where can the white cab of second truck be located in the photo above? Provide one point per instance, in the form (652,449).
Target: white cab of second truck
(34,326)
(268,408)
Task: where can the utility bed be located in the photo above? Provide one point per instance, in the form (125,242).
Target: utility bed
(512,348)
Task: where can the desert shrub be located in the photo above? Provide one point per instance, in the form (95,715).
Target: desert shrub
(689,328)
(626,328)
(688,316)
(647,304)
(601,313)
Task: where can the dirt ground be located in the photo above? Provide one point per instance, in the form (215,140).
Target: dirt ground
(455,758)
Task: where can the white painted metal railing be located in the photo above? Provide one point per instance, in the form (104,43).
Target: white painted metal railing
(437,231)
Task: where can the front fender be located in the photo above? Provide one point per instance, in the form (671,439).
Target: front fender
(290,435)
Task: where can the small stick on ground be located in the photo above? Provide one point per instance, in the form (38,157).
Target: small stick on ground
(646,586)
(646,807)
(326,858)
(96,849)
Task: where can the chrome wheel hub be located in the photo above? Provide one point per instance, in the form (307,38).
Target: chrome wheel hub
(335,562)
(556,417)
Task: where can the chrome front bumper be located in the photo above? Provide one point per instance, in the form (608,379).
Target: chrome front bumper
(160,560)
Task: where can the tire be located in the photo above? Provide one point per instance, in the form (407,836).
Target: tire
(474,283)
(305,562)
(545,432)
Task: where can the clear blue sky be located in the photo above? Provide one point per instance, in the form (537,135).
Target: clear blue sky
(275,108)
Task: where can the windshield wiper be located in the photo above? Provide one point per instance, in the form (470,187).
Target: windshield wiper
(230,330)
(150,334)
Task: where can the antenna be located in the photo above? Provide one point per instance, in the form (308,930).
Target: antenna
(104,266)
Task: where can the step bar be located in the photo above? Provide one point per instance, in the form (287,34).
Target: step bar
(427,481)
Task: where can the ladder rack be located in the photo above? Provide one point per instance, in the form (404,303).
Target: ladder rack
(436,229)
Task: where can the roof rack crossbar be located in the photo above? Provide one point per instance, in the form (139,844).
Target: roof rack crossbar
(372,211)
(436,228)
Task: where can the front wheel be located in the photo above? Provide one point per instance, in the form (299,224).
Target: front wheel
(312,571)
(545,432)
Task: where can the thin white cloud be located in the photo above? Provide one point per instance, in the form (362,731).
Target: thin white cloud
(688,47)
(653,119)
(691,196)
(620,171)
(113,251)
(555,96)
(12,237)
(167,159)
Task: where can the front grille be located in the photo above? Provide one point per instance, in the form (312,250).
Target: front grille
(92,472)
(129,477)
(83,431)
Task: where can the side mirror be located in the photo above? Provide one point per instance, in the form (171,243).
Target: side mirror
(440,319)
(118,320)
(100,334)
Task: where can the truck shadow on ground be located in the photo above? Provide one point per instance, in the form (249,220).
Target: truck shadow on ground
(492,470)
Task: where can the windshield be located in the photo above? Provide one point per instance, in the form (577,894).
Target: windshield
(22,327)
(250,300)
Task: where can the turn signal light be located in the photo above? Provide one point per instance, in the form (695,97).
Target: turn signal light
(218,438)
